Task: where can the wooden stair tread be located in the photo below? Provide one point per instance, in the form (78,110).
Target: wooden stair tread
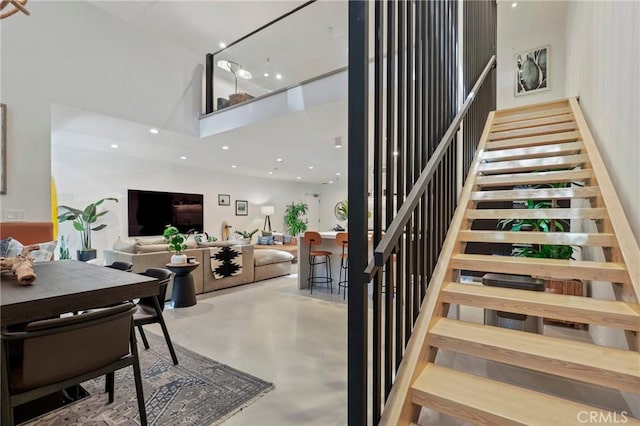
(557,268)
(562,357)
(512,179)
(558,162)
(532,151)
(534,140)
(536,194)
(533,131)
(532,122)
(531,115)
(559,213)
(488,402)
(557,238)
(586,310)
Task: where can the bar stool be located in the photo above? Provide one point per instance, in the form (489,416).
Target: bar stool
(313,239)
(342,240)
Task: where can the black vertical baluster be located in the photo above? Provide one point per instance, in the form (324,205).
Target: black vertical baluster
(209,84)
(358,96)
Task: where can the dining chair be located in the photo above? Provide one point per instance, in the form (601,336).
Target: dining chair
(150,309)
(121,265)
(317,258)
(53,354)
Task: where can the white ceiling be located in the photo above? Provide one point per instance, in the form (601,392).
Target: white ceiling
(301,139)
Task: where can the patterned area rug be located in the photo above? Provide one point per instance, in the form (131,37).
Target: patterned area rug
(198,391)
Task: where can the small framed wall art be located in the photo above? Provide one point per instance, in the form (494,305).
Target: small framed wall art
(224,200)
(242,208)
(532,71)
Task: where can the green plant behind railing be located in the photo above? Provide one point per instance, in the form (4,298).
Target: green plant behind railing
(64,248)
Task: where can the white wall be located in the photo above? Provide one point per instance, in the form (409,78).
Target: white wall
(529,25)
(603,69)
(72,53)
(330,196)
(83,177)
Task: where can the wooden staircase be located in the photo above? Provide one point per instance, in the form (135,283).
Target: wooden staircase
(533,146)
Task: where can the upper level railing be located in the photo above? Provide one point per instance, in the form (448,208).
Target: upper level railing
(418,166)
(305,43)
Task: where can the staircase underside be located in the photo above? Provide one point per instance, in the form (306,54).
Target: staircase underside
(541,153)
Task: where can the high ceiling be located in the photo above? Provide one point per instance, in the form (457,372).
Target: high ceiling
(302,140)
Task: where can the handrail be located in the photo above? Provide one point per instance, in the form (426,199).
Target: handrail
(388,241)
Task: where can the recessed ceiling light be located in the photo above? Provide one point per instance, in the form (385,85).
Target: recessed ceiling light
(233,166)
(395,153)
(311,167)
(154,131)
(330,181)
(338,174)
(338,142)
(225,147)
(222,45)
(270,173)
(114,146)
(514,4)
(266,74)
(298,178)
(279,160)
(183,157)
(279,76)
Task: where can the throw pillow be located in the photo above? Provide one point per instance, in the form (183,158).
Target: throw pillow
(265,241)
(4,246)
(127,246)
(267,233)
(44,254)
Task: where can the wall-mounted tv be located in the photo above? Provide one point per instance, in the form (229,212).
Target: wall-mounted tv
(151,211)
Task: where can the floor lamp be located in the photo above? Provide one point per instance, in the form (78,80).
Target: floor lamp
(267,211)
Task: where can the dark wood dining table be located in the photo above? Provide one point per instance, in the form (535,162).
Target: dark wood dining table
(68,286)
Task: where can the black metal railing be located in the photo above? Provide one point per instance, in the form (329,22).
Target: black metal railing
(417,167)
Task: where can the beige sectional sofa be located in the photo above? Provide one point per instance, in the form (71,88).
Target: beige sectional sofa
(266,264)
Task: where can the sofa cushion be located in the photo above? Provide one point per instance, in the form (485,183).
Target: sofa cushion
(267,241)
(150,241)
(269,256)
(127,245)
(151,248)
(217,243)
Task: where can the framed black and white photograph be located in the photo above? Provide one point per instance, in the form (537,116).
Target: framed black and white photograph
(532,71)
(224,200)
(242,208)
(3,149)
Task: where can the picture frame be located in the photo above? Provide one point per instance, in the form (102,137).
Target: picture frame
(224,200)
(242,208)
(532,70)
(3,149)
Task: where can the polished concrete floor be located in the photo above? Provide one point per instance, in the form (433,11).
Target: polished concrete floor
(298,341)
(280,334)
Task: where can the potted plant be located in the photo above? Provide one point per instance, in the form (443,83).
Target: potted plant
(293,221)
(64,248)
(83,222)
(246,236)
(176,243)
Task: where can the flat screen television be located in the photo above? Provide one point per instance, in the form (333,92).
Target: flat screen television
(151,211)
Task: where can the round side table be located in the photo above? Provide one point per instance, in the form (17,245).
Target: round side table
(184,293)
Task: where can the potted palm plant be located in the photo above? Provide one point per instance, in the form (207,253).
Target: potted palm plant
(293,218)
(84,221)
(176,243)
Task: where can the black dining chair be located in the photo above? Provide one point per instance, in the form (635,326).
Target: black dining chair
(150,309)
(53,354)
(121,265)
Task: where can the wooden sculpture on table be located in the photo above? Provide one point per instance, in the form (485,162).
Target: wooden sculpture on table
(12,6)
(21,265)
